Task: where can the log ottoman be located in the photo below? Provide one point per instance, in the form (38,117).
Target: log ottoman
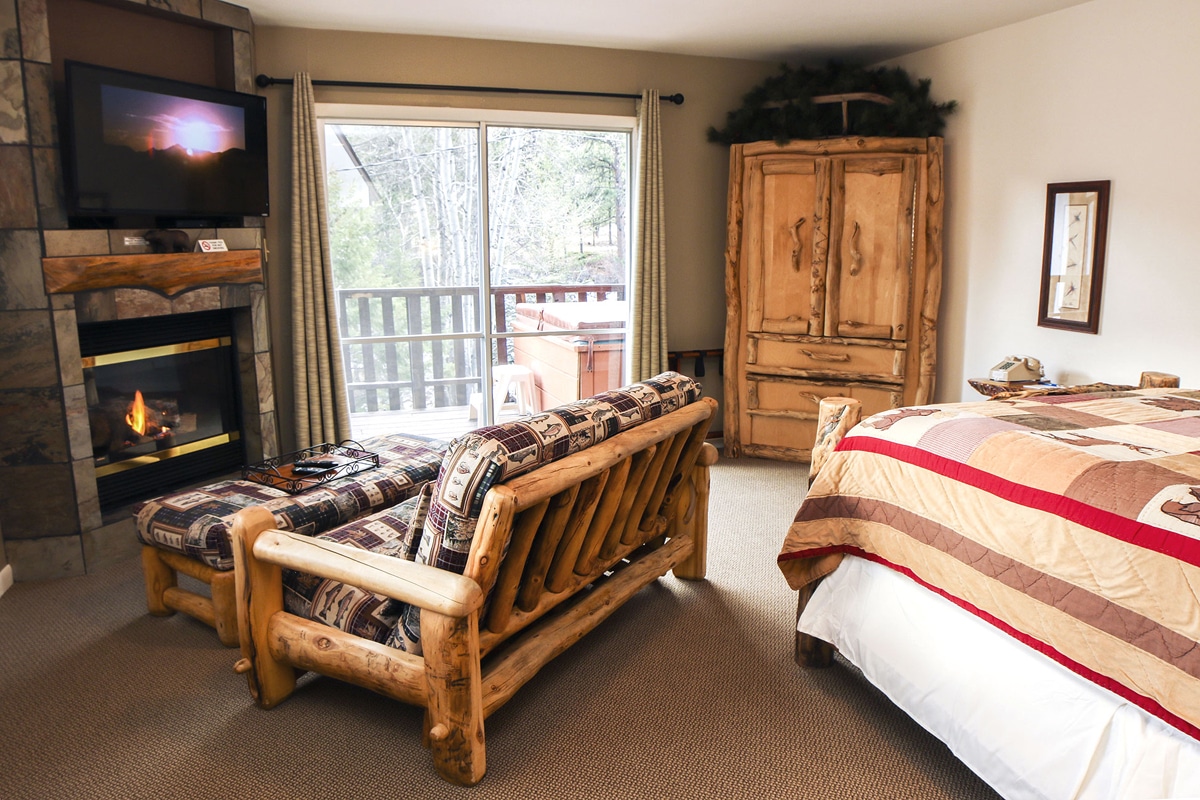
(188,532)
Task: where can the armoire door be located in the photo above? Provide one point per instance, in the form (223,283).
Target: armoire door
(786,241)
(871,264)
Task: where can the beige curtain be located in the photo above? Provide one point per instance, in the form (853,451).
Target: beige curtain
(648,297)
(322,414)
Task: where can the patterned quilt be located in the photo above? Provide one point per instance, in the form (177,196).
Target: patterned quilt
(1070,522)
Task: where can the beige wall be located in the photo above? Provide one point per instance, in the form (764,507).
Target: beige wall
(1105,90)
(696,171)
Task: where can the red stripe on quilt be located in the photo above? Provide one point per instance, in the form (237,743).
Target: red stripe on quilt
(1127,530)
(1147,704)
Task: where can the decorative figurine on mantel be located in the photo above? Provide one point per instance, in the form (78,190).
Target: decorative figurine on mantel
(168,241)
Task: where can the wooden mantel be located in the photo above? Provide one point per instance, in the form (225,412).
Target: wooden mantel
(166,273)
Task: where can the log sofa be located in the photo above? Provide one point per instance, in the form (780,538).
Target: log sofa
(534,532)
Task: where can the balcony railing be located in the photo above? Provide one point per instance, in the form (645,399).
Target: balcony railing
(385,332)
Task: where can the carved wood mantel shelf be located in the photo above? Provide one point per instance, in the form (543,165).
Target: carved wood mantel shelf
(165,273)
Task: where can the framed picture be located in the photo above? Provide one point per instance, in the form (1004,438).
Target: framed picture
(1073,255)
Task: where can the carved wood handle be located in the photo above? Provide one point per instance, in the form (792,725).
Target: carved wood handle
(840,357)
(855,253)
(795,231)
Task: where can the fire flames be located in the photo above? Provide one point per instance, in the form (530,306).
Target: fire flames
(145,421)
(136,418)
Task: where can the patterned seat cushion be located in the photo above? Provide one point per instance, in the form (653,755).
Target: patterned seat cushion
(490,455)
(394,531)
(196,523)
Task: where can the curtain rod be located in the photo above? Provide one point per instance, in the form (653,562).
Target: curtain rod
(263,81)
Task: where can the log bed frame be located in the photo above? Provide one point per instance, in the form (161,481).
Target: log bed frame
(556,551)
(835,417)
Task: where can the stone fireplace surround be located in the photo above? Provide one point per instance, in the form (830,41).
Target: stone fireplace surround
(50,521)
(74,535)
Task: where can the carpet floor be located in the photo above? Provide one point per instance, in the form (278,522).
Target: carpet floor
(688,691)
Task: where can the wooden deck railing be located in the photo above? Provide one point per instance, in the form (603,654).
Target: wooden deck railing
(385,332)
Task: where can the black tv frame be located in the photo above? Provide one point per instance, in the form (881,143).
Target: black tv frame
(83,162)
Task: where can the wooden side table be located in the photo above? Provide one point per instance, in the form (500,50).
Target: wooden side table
(989,388)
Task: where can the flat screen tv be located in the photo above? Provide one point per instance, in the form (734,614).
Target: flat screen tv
(140,146)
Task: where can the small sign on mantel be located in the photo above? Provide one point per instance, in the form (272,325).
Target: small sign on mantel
(211,246)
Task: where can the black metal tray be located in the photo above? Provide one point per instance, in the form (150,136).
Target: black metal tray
(280,472)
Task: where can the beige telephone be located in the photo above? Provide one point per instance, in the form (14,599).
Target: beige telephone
(1018,368)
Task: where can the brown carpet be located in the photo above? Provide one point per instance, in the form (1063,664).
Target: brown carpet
(689,691)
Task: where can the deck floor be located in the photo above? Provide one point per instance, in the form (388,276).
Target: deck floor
(439,423)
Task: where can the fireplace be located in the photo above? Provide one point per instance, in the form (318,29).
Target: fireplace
(162,401)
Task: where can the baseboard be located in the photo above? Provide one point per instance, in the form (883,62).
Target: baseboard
(6,579)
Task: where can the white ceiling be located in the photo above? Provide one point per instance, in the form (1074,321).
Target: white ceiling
(799,31)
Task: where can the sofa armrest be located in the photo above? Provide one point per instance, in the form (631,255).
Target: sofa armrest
(424,586)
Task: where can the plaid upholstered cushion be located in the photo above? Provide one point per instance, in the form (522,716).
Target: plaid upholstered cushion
(196,523)
(395,531)
(490,455)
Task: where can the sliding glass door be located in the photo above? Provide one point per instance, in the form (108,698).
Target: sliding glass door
(476,254)
(558,258)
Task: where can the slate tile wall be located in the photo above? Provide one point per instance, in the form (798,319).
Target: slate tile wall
(49,509)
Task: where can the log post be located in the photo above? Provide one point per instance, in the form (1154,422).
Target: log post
(811,652)
(454,709)
(259,595)
(695,566)
(1158,380)
(224,603)
(158,578)
(162,569)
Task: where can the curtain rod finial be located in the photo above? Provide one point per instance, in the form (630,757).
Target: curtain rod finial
(677,99)
(263,81)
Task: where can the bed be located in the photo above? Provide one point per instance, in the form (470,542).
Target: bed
(1021,576)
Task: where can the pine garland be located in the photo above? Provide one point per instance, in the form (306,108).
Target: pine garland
(781,107)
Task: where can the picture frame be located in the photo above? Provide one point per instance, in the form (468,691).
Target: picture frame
(1073,255)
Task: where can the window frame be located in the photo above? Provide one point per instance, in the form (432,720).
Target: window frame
(481,119)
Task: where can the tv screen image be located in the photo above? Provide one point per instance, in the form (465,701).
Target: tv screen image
(141,145)
(147,122)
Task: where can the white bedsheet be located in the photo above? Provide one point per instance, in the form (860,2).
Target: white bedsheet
(1023,723)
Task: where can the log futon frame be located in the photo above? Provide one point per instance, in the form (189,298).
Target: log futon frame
(556,550)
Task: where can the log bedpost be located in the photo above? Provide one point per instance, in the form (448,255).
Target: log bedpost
(810,652)
(1158,380)
(259,594)
(835,417)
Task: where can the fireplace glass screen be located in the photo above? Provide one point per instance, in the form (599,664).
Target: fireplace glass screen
(162,414)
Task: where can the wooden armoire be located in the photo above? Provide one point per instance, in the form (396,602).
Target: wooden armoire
(833,278)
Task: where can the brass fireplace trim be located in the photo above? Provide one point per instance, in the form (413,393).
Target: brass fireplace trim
(163,455)
(125,356)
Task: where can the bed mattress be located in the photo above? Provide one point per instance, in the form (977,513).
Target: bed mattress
(1025,724)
